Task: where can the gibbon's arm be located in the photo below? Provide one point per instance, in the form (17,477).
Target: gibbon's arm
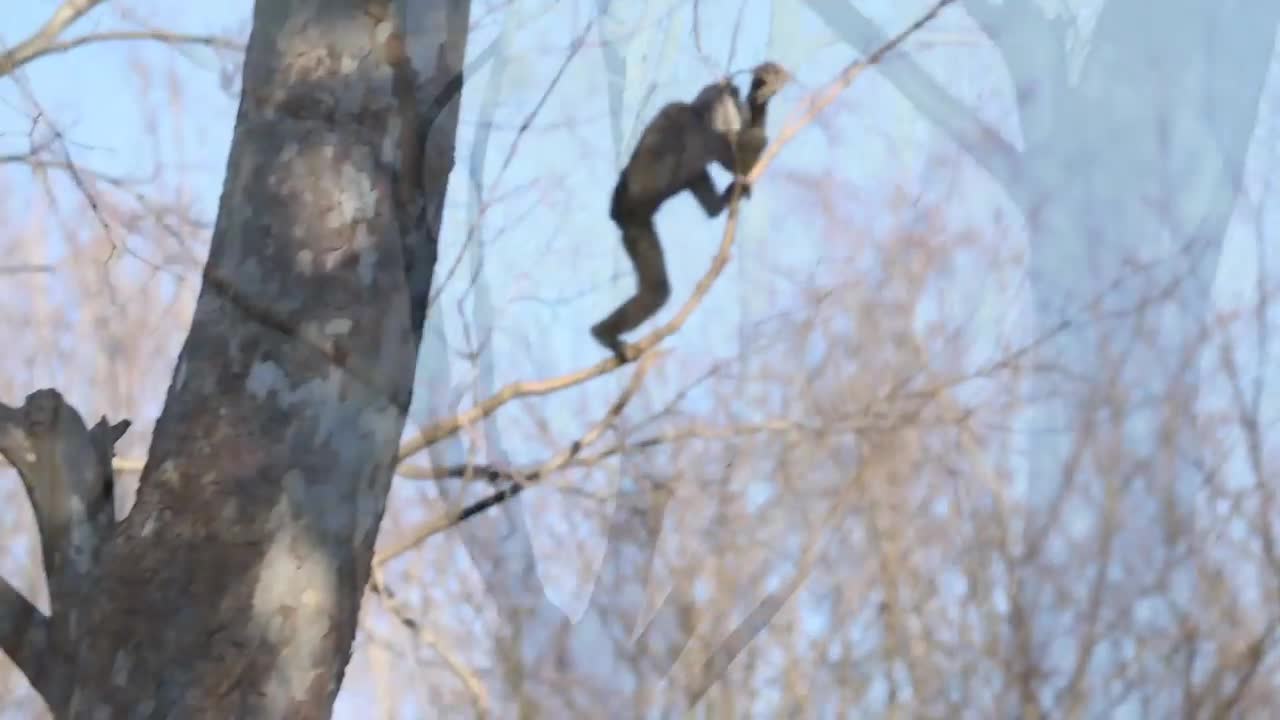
(713,203)
(766,80)
(750,146)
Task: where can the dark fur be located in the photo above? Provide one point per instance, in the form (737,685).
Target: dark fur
(671,157)
(753,139)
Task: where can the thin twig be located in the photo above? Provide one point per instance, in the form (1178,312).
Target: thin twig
(574,48)
(556,462)
(473,683)
(215,42)
(441,429)
(39,43)
(819,101)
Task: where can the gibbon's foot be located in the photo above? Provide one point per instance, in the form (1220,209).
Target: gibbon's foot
(744,187)
(611,343)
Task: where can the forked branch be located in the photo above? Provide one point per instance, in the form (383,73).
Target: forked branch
(520,481)
(66,470)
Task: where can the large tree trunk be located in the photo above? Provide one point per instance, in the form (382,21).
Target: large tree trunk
(232,588)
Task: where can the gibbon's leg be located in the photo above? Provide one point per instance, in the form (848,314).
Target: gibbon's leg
(652,289)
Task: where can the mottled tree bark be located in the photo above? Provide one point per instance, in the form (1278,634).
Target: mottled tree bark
(66,471)
(232,588)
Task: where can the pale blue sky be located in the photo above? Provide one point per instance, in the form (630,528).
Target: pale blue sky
(554,263)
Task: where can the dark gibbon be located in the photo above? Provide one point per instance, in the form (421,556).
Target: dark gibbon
(672,156)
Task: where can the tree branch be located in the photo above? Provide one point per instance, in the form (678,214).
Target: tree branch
(441,429)
(982,142)
(24,633)
(716,663)
(39,43)
(520,482)
(66,471)
(45,40)
(215,42)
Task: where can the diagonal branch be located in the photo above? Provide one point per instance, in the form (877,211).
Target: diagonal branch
(1033,47)
(441,429)
(24,636)
(39,43)
(215,42)
(23,628)
(615,66)
(982,142)
(717,663)
(556,462)
(820,100)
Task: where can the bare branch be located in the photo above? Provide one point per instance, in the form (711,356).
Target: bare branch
(215,42)
(39,43)
(424,634)
(519,483)
(982,142)
(443,428)
(717,663)
(1247,663)
(527,122)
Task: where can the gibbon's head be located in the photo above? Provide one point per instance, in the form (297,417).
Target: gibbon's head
(767,79)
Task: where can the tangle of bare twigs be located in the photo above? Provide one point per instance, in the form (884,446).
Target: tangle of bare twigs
(443,428)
